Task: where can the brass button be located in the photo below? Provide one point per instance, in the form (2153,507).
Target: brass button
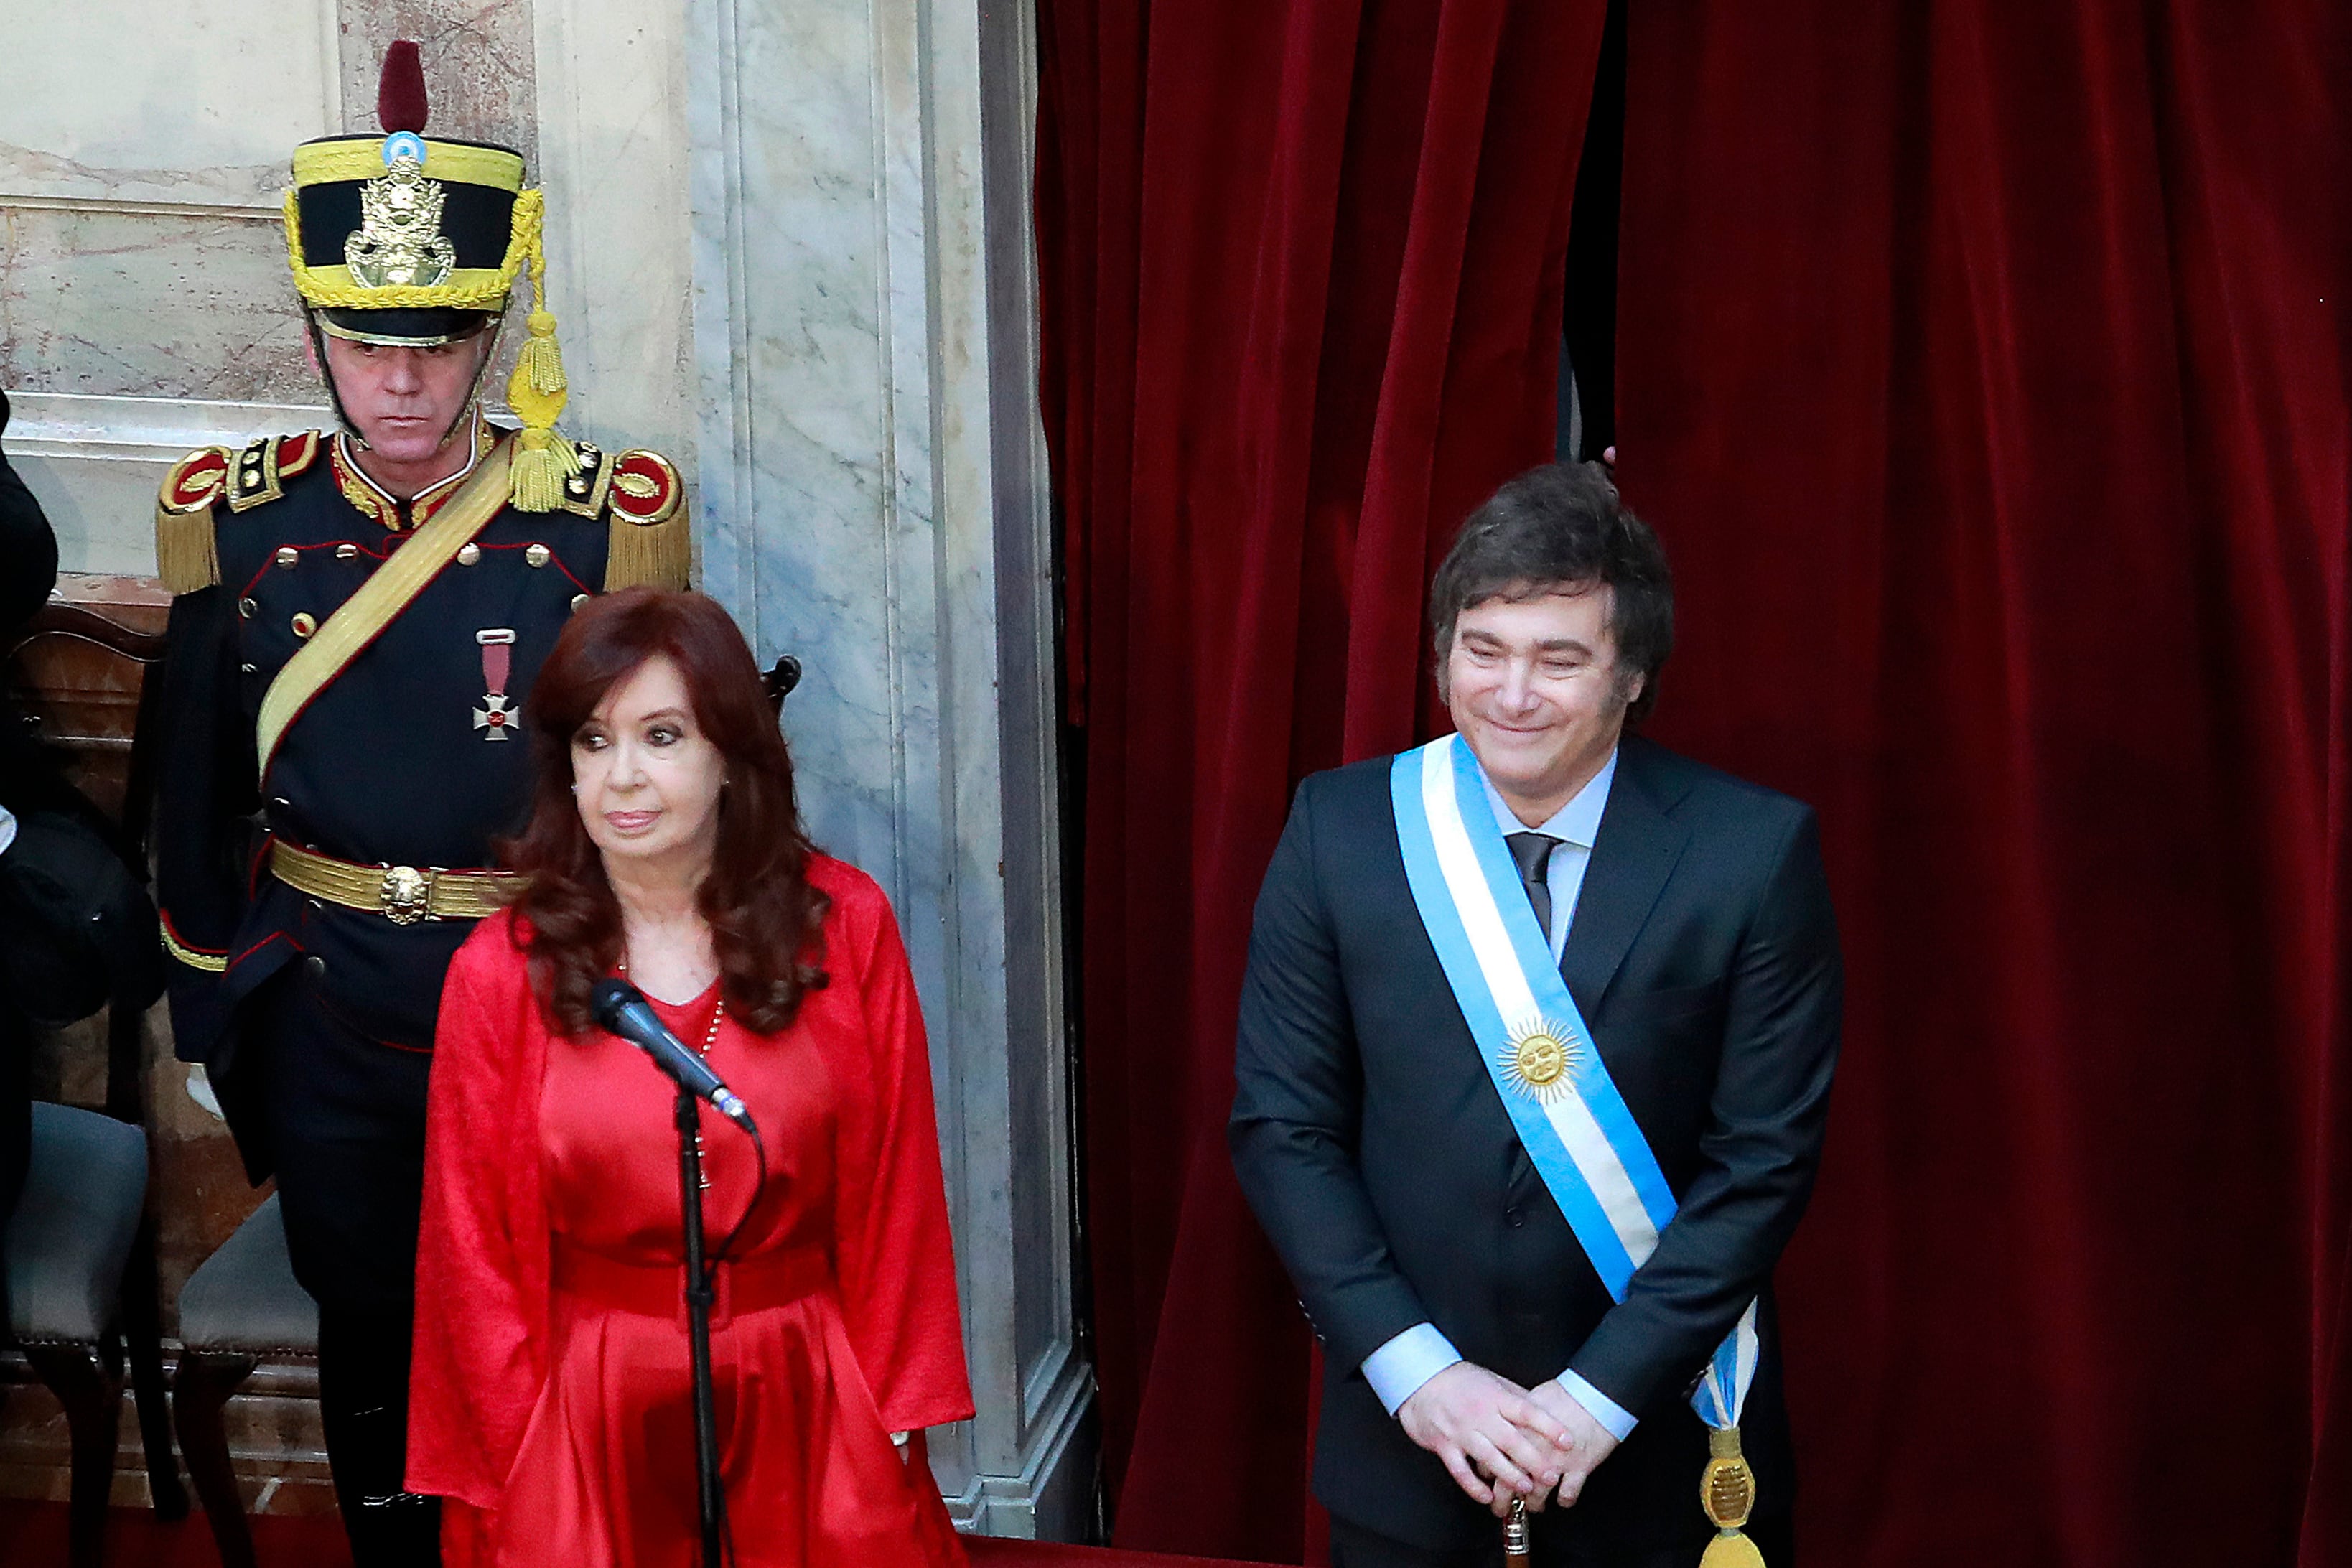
(347,552)
(468,554)
(246,608)
(578,600)
(304,623)
(288,555)
(538,554)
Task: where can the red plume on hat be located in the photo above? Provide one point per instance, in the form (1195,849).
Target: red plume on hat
(400,91)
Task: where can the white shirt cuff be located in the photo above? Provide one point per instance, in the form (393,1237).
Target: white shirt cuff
(1397,1370)
(7,829)
(1599,1406)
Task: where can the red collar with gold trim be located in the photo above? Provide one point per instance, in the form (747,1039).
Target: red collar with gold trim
(373,501)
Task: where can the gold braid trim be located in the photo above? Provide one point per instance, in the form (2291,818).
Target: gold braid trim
(355,158)
(210,962)
(469,288)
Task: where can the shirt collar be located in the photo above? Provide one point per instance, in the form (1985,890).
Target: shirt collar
(1577,822)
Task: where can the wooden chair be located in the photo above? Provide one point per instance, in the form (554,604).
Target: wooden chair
(81,1249)
(241,1306)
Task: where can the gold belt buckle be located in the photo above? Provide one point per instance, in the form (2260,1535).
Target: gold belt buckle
(407,896)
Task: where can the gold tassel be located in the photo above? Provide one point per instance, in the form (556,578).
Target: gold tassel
(540,467)
(542,362)
(187,557)
(1731,1549)
(1727,1492)
(538,392)
(654,554)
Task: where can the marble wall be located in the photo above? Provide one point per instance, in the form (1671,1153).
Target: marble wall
(144,306)
(872,501)
(788,244)
(481,65)
(141,265)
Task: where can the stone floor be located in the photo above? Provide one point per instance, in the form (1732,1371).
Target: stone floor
(273,1437)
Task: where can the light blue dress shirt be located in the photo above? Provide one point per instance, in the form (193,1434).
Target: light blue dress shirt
(1398,1369)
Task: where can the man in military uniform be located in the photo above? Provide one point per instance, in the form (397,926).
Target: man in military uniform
(359,617)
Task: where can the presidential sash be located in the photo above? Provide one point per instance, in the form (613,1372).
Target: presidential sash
(1536,1047)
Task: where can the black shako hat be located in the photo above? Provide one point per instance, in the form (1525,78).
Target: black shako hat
(404,240)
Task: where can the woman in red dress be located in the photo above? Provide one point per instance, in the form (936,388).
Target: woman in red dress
(550,1406)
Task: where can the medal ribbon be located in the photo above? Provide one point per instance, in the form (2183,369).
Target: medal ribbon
(1577,1130)
(497,659)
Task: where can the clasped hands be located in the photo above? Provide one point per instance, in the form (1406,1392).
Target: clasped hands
(1500,1441)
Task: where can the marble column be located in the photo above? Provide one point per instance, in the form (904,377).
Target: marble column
(872,501)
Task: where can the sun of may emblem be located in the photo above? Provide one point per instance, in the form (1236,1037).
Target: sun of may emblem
(1541,1060)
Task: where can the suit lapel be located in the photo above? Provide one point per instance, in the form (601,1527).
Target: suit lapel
(1633,856)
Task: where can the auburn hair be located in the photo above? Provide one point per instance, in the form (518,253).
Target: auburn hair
(766,922)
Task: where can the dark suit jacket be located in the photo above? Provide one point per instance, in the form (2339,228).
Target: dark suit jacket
(1379,1157)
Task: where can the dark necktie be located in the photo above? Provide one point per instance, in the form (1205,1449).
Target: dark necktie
(1532,852)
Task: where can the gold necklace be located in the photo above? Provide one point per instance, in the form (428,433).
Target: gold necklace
(709,1038)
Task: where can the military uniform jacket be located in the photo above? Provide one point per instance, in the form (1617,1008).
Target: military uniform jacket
(401,759)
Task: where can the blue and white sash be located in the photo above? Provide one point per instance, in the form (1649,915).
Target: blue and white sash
(1576,1128)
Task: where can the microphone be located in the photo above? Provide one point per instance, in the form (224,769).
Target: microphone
(621,1008)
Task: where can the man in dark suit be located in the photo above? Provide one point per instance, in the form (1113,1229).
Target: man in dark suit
(1477,1349)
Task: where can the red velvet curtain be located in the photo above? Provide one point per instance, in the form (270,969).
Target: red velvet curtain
(1982,362)
(1302,267)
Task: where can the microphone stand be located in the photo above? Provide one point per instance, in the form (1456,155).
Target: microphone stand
(698,1297)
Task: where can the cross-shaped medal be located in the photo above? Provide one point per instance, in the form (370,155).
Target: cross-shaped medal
(497,652)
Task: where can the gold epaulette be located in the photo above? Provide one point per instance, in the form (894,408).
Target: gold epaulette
(187,553)
(650,542)
(187,556)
